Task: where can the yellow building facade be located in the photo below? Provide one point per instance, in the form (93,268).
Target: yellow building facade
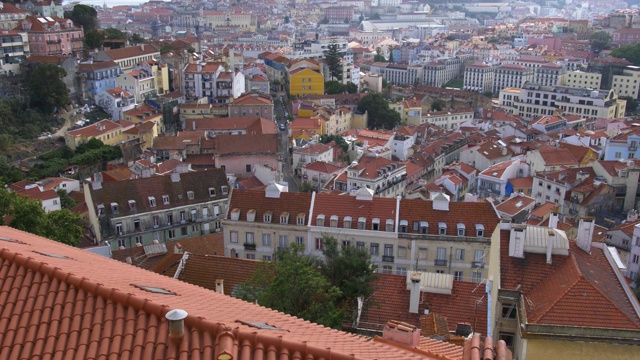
(107,131)
(305,82)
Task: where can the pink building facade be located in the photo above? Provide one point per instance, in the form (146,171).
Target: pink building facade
(52,35)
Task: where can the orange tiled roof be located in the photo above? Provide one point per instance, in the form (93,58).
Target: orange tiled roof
(132,51)
(60,301)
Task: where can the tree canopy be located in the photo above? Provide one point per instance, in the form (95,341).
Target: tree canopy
(85,16)
(336,87)
(334,61)
(94,39)
(380,115)
(28,215)
(47,91)
(629,52)
(600,40)
(326,138)
(114,34)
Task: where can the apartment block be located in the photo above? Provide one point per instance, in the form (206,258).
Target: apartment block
(627,84)
(582,80)
(510,76)
(478,77)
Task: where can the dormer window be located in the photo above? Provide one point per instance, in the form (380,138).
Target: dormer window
(442,228)
(100,210)
(152,201)
(334,221)
(404,226)
(225,190)
(190,195)
(424,227)
(212,192)
(251,215)
(479,230)
(461,229)
(375,224)
(165,199)
(362,223)
(320,220)
(388,226)
(346,222)
(132,204)
(300,219)
(267,217)
(235,214)
(284,218)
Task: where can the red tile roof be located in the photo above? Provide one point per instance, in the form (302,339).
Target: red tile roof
(132,51)
(468,213)
(292,203)
(59,301)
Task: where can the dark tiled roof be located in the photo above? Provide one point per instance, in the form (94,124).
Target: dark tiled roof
(292,203)
(141,189)
(63,302)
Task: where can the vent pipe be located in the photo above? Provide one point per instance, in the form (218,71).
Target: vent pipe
(176,323)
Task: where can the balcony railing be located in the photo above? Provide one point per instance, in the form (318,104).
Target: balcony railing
(249,246)
(387,258)
(440,262)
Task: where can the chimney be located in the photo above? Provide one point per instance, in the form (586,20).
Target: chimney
(177,248)
(414,301)
(176,323)
(585,233)
(553,218)
(632,215)
(550,239)
(504,151)
(220,286)
(516,240)
(96,184)
(402,333)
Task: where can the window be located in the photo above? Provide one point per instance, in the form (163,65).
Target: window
(183,216)
(300,219)
(416,225)
(404,225)
(458,275)
(386,269)
(439,271)
(266,239)
(250,238)
(320,220)
(401,271)
(319,244)
(225,190)
(190,195)
(460,254)
(282,241)
(636,258)
(508,339)
(441,254)
(284,218)
(152,201)
(389,226)
(509,311)
(119,228)
(346,223)
(333,221)
(374,249)
(442,228)
(478,257)
(388,250)
(422,253)
(212,192)
(360,245)
(114,208)
(476,276)
(100,210)
(266,257)
(299,240)
(251,256)
(165,199)
(172,233)
(267,217)
(479,230)
(424,227)
(248,168)
(216,210)
(461,229)
(375,224)
(121,243)
(362,223)
(183,231)
(233,236)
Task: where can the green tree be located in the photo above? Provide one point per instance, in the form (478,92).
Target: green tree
(94,39)
(380,115)
(636,287)
(114,34)
(294,284)
(334,61)
(391,54)
(62,226)
(137,39)
(629,52)
(375,16)
(47,91)
(351,88)
(600,40)
(438,105)
(334,87)
(84,16)
(9,174)
(632,105)
(305,187)
(6,140)
(66,202)
(378,57)
(325,139)
(349,268)
(450,37)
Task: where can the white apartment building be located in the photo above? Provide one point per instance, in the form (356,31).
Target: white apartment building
(583,80)
(478,77)
(385,178)
(449,120)
(549,75)
(510,76)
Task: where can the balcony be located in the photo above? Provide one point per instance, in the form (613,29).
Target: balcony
(440,262)
(248,246)
(387,258)
(54,41)
(477,264)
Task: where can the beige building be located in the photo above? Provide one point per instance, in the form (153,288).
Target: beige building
(213,20)
(627,84)
(509,76)
(401,235)
(478,77)
(449,120)
(583,80)
(129,57)
(107,131)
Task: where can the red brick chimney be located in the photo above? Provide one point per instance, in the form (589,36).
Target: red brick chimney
(402,333)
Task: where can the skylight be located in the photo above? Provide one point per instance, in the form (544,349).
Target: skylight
(153,289)
(259,325)
(52,255)
(12,241)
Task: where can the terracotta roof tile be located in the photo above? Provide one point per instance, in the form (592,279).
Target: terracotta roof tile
(132,51)
(64,302)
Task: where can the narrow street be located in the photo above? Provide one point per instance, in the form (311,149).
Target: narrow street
(284,142)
